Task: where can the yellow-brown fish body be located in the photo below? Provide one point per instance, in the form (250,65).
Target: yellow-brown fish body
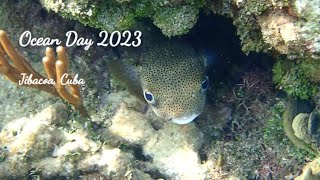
(172,81)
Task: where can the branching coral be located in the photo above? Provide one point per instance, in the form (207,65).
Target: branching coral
(55,70)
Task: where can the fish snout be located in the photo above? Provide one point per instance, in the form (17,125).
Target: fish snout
(185,119)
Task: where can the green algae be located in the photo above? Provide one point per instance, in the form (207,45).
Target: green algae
(247,26)
(310,68)
(176,21)
(289,76)
(172,17)
(276,133)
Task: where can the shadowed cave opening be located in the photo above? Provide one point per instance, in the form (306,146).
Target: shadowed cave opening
(217,37)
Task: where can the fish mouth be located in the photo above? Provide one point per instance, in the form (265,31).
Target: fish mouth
(185,119)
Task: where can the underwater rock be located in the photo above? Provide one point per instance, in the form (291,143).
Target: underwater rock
(307,128)
(311,67)
(130,126)
(108,161)
(18,136)
(36,143)
(294,30)
(289,27)
(173,148)
(300,127)
(172,17)
(174,151)
(27,138)
(16,18)
(311,171)
(167,19)
(290,35)
(279,30)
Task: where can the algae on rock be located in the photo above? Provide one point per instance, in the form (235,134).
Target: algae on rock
(288,27)
(289,76)
(36,143)
(172,17)
(261,25)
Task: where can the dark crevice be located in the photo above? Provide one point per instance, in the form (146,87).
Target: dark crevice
(156,125)
(216,37)
(149,169)
(203,153)
(136,150)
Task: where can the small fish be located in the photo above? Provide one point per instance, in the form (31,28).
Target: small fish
(171,80)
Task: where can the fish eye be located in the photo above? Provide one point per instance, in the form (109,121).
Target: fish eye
(205,83)
(148,96)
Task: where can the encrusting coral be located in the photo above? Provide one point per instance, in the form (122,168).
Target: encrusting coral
(55,69)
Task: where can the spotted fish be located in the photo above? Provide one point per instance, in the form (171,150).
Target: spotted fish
(171,80)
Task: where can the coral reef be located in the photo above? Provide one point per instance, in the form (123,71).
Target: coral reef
(176,20)
(177,158)
(289,27)
(286,27)
(36,143)
(310,69)
(172,17)
(240,135)
(41,142)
